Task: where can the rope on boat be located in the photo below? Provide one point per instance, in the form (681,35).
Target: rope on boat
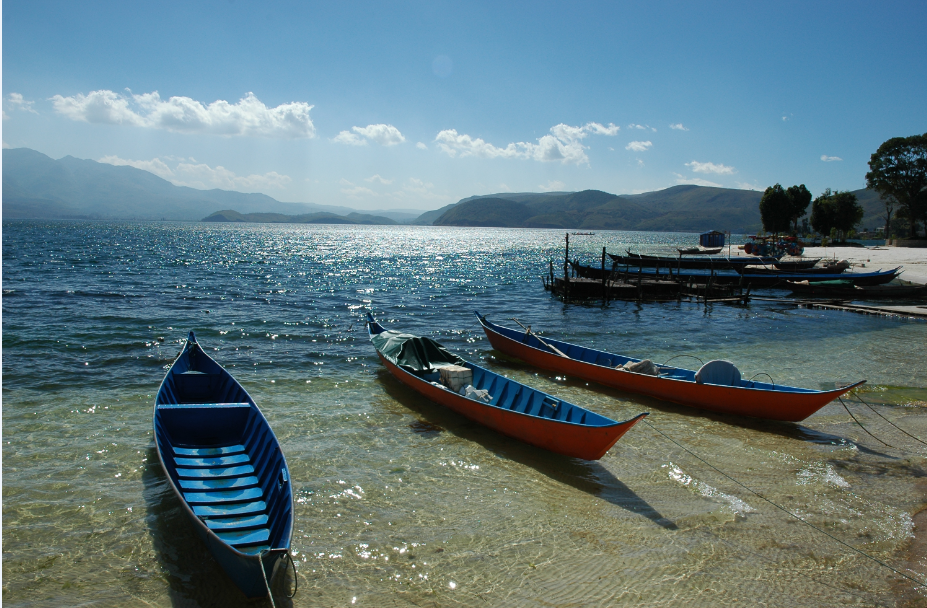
(289,558)
(764,374)
(784,510)
(840,399)
(677,356)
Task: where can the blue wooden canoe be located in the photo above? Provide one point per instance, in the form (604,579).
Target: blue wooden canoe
(225,465)
(511,408)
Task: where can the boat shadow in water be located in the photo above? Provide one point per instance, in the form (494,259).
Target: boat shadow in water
(788,430)
(193,575)
(584,475)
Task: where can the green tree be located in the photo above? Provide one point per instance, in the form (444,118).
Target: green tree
(898,171)
(835,211)
(799,199)
(776,210)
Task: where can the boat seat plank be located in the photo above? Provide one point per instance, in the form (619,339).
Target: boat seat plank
(226,483)
(202,452)
(179,406)
(223,496)
(218,461)
(244,537)
(239,508)
(253,549)
(228,523)
(216,472)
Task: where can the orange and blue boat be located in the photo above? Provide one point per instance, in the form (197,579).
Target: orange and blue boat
(502,404)
(716,387)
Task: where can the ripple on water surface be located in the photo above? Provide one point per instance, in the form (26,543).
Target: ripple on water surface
(400,502)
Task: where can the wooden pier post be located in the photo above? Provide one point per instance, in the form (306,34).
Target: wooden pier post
(604,280)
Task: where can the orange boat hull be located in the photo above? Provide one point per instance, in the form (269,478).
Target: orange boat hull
(578,441)
(769,405)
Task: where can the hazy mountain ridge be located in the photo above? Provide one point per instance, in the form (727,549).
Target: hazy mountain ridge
(37,186)
(228,215)
(685,208)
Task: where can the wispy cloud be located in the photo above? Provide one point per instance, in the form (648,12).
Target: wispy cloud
(385,135)
(639,146)
(353,191)
(249,117)
(187,172)
(642,127)
(829,159)
(719,169)
(16,101)
(563,145)
(377,178)
(553,186)
(746,186)
(678,127)
(681,180)
(421,146)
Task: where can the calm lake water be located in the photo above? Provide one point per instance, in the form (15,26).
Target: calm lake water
(402,503)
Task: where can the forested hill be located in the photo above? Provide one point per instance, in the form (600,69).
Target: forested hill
(680,208)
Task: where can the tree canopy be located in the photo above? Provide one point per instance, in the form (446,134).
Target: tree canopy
(780,209)
(838,210)
(898,171)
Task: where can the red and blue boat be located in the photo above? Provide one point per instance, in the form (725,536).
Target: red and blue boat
(716,387)
(502,404)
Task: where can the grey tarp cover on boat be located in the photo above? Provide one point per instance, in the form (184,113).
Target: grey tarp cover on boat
(413,353)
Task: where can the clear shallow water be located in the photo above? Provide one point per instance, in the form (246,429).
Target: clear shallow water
(400,502)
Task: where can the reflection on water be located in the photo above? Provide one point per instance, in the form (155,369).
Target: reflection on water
(399,501)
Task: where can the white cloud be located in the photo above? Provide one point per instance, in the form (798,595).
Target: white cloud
(504,188)
(698,167)
(639,146)
(16,100)
(829,159)
(249,117)
(642,127)
(563,144)
(385,135)
(6,145)
(695,181)
(421,146)
(355,191)
(746,186)
(346,137)
(678,127)
(202,176)
(377,178)
(553,186)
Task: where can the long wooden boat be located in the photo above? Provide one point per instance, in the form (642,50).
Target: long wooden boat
(755,280)
(789,270)
(703,389)
(224,463)
(512,409)
(846,290)
(705,262)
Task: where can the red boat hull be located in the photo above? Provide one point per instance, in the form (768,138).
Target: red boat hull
(578,441)
(769,405)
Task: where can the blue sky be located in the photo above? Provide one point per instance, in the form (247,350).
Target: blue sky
(418,104)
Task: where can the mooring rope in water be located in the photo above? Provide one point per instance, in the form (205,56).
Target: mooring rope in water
(270,594)
(783,509)
(889,421)
(840,399)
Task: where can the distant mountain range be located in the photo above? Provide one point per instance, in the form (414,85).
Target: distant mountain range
(36,186)
(678,209)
